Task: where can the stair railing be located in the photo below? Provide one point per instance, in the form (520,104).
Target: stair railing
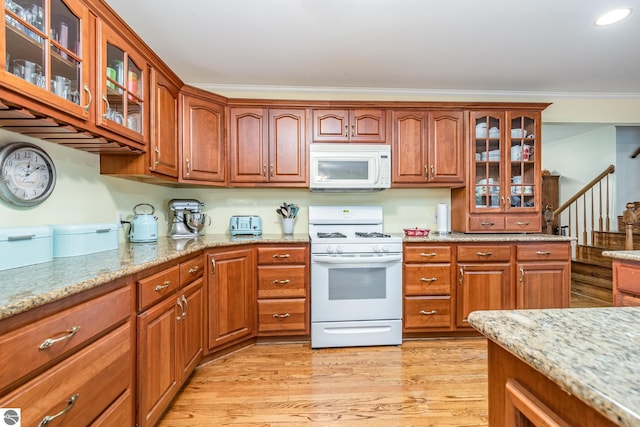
(577,216)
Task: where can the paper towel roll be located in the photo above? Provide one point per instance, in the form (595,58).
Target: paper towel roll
(442,217)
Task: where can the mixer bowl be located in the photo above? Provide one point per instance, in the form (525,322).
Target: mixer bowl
(197,221)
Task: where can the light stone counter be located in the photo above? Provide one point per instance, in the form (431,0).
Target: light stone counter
(592,353)
(28,287)
(625,255)
(470,238)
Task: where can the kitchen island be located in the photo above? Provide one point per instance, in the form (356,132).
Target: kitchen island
(577,366)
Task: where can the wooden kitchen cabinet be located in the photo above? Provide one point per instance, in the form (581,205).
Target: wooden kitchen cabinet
(170,336)
(231,297)
(484,279)
(163,147)
(283,289)
(58,56)
(268,147)
(350,125)
(64,352)
(427,147)
(203,138)
(503,192)
(626,282)
(543,275)
(428,294)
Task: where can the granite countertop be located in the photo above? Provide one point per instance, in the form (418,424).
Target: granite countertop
(592,353)
(28,287)
(625,255)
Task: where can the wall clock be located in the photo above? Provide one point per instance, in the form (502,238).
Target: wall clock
(27,174)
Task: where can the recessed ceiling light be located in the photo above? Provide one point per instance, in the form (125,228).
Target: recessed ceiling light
(613,16)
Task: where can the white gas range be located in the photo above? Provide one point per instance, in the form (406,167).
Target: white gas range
(356,278)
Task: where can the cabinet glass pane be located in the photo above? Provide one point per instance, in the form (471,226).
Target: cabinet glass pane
(25,40)
(124,83)
(521,158)
(487,151)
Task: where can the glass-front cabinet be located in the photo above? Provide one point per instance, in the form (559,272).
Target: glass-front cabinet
(505,171)
(122,86)
(47,46)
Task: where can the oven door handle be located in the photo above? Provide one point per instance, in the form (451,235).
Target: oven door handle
(357,259)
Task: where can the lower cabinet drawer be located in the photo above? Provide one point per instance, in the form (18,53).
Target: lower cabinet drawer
(425,313)
(627,277)
(428,279)
(483,223)
(76,391)
(282,316)
(120,413)
(276,281)
(45,341)
(622,300)
(523,223)
(154,288)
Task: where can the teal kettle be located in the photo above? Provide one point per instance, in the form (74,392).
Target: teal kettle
(144,227)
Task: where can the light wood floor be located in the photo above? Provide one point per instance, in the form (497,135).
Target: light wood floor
(421,383)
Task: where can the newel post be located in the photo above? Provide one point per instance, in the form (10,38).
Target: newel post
(629,217)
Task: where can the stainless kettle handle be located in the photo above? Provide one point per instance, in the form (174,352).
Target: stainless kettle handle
(144,204)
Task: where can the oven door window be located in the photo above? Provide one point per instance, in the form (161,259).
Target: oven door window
(357,283)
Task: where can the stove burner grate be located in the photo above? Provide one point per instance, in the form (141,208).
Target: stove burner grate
(371,234)
(331,235)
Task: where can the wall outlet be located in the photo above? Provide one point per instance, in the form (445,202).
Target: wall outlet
(121,218)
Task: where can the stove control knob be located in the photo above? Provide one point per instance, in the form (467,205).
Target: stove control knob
(376,248)
(339,249)
(330,249)
(385,248)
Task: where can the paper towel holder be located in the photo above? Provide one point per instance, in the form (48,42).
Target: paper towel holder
(442,219)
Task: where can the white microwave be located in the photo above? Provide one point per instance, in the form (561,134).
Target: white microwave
(349,167)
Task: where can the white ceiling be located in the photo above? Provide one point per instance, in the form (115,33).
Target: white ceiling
(513,47)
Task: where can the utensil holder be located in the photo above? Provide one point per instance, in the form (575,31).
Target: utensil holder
(287,225)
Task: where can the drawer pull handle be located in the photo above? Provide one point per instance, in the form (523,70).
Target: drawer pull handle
(484,253)
(51,341)
(194,269)
(281,256)
(428,313)
(48,418)
(488,224)
(165,286)
(522,223)
(181,315)
(428,255)
(543,253)
(280,316)
(281,282)
(425,279)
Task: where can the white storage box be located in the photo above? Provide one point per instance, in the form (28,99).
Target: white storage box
(21,246)
(83,239)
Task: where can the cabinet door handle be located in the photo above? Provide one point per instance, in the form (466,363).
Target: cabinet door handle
(505,200)
(433,171)
(280,316)
(543,253)
(186,306)
(271,170)
(188,166)
(48,418)
(460,275)
(181,315)
(281,282)
(488,224)
(522,223)
(432,254)
(104,98)
(521,274)
(353,130)
(346,131)
(426,172)
(424,279)
(157,162)
(165,285)
(86,89)
(264,170)
(484,253)
(194,269)
(213,266)
(51,341)
(281,256)
(428,313)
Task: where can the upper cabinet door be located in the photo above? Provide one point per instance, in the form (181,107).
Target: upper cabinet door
(367,126)
(287,146)
(487,170)
(524,173)
(409,149)
(203,139)
(122,87)
(446,142)
(249,159)
(164,139)
(47,56)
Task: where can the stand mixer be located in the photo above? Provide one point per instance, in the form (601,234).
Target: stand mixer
(188,221)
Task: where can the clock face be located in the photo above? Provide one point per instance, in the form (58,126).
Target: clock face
(28,174)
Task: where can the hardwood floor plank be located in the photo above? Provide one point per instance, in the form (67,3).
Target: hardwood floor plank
(421,383)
